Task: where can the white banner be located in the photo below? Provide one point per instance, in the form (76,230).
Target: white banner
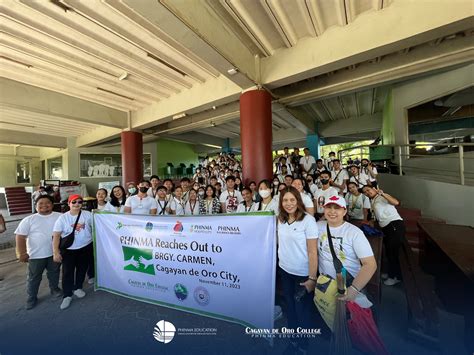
(216,266)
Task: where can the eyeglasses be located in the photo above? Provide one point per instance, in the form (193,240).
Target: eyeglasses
(76,202)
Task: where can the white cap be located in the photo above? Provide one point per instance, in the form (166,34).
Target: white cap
(337,200)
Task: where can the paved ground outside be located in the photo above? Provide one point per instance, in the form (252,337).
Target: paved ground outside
(103,323)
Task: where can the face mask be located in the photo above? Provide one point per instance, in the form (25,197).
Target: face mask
(324,181)
(276,183)
(201,193)
(365,165)
(132,190)
(264,193)
(143,189)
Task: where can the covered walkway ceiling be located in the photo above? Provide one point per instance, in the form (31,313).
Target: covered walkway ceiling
(89,69)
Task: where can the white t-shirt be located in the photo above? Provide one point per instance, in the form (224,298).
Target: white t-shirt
(83,235)
(350,245)
(307,162)
(231,201)
(361,179)
(272,206)
(177,206)
(191,209)
(110,208)
(101,208)
(307,200)
(384,211)
(321,197)
(243,207)
(292,249)
(151,193)
(356,205)
(313,188)
(162,206)
(141,205)
(374,171)
(38,230)
(338,177)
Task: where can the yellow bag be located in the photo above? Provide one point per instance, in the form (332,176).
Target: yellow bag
(325,295)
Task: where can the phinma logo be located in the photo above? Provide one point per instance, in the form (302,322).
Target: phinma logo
(164,331)
(181,292)
(178,227)
(139,260)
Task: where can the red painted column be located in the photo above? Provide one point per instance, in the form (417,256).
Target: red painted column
(132,157)
(256,135)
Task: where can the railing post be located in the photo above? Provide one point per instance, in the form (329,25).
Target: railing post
(400,160)
(461,163)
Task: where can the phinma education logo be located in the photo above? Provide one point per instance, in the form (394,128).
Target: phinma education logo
(164,331)
(139,260)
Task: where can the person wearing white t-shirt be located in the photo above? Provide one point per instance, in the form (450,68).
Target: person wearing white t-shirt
(163,204)
(267,202)
(307,163)
(358,205)
(248,204)
(383,206)
(307,198)
(141,203)
(369,169)
(191,208)
(101,196)
(77,258)
(230,198)
(298,263)
(117,200)
(339,177)
(358,177)
(33,246)
(322,194)
(350,246)
(313,187)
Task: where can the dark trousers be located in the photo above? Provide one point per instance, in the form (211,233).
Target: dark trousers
(35,275)
(300,311)
(394,233)
(90,269)
(75,264)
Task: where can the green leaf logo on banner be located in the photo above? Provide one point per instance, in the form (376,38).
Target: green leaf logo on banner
(139,260)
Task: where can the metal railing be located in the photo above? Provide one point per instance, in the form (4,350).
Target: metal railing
(404,158)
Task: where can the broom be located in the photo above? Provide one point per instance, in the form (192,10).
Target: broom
(340,339)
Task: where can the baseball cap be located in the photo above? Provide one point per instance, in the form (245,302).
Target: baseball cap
(74,197)
(337,200)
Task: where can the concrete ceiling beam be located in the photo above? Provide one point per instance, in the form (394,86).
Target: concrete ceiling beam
(33,139)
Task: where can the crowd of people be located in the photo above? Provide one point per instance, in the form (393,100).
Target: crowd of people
(319,205)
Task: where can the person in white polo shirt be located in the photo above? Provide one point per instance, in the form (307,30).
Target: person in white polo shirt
(350,246)
(141,203)
(76,258)
(33,246)
(307,163)
(383,206)
(298,263)
(248,204)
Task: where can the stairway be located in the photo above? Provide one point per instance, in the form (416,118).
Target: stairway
(411,217)
(18,200)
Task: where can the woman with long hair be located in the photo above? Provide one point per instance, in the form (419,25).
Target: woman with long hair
(210,203)
(117,200)
(267,203)
(297,262)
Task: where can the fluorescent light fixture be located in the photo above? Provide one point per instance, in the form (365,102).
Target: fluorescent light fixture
(123,76)
(15,61)
(214,107)
(232,71)
(180,115)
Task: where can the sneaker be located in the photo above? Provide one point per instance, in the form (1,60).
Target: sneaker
(91,281)
(79,293)
(65,303)
(391,282)
(56,292)
(31,303)
(384,276)
(277,313)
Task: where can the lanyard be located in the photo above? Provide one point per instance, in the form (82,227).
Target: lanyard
(192,208)
(250,207)
(162,207)
(209,206)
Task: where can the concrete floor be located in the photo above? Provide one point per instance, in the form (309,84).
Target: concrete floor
(103,323)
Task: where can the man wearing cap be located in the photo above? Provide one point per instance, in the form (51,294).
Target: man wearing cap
(78,256)
(141,203)
(351,247)
(33,246)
